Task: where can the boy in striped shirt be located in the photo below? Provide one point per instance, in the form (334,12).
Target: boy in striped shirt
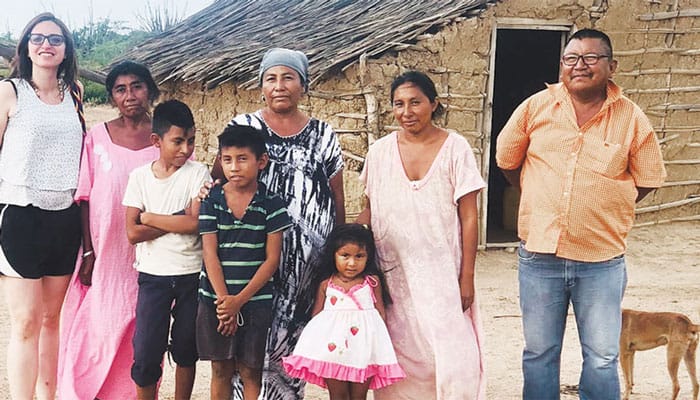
(241,227)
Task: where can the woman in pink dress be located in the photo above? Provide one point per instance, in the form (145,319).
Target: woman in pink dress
(99,311)
(422,184)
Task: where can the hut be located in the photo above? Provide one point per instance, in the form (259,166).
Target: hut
(485,56)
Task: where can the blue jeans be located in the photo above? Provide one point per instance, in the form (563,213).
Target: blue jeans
(547,284)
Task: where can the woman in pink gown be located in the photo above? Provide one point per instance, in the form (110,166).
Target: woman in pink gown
(98,317)
(422,184)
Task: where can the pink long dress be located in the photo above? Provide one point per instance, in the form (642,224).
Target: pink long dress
(417,231)
(97,322)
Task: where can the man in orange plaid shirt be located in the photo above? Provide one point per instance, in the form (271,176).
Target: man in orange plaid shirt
(582,154)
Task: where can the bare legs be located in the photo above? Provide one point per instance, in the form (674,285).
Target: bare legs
(342,390)
(24,304)
(221,374)
(146,392)
(252,382)
(184,381)
(54,290)
(34,306)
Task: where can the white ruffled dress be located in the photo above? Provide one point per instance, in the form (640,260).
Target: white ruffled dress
(347,341)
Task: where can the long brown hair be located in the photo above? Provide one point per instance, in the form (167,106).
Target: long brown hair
(22,64)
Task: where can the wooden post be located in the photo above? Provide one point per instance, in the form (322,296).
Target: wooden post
(372,122)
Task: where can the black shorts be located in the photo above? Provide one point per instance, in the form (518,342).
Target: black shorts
(35,243)
(159,298)
(246,346)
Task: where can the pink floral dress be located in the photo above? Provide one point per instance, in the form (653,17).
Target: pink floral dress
(347,341)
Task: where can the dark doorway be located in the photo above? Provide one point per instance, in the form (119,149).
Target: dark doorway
(525,61)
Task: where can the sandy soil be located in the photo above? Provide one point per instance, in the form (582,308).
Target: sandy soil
(664,275)
(664,272)
(99,113)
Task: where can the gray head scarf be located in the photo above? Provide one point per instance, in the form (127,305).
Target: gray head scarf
(293,59)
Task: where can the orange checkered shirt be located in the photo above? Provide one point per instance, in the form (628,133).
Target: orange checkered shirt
(579,183)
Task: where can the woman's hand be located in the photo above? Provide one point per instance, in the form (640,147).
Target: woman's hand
(466,292)
(87,265)
(204,190)
(468,221)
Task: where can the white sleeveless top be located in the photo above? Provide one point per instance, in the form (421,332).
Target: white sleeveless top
(40,153)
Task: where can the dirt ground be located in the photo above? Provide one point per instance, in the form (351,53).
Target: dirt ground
(663,275)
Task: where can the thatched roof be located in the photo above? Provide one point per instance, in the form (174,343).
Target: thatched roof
(225,41)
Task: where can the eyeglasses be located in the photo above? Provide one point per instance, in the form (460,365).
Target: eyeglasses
(37,39)
(588,59)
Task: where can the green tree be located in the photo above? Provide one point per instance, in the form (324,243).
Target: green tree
(98,44)
(94,34)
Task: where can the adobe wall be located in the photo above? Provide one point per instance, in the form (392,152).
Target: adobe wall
(658,68)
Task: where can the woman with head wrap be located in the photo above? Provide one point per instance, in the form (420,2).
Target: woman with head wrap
(305,169)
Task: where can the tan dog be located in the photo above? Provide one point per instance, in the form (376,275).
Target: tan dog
(647,330)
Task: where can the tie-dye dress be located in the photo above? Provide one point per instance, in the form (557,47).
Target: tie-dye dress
(300,169)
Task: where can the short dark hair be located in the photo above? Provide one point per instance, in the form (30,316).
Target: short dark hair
(132,68)
(424,84)
(587,33)
(169,113)
(22,64)
(243,136)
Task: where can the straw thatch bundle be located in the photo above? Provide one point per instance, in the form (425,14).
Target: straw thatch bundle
(225,41)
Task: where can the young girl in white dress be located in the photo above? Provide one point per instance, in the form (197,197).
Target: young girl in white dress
(346,346)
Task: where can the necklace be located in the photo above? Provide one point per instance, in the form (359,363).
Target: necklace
(59,84)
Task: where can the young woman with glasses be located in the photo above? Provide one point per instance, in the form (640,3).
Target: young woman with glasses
(40,144)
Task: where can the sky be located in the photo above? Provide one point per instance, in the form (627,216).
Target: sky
(14,14)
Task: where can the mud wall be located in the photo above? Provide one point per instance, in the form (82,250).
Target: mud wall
(655,42)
